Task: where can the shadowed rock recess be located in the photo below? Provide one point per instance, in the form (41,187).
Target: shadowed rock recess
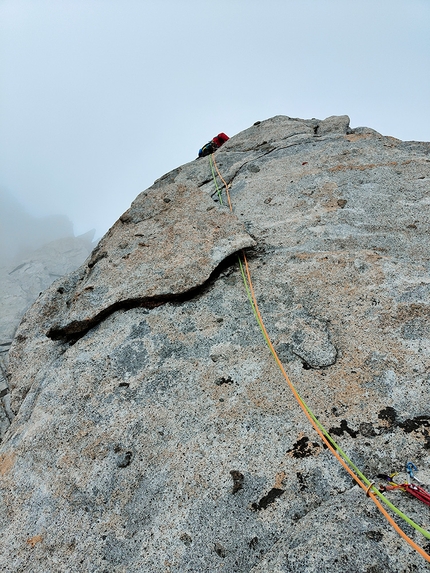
(153,430)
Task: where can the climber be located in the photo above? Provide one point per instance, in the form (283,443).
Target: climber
(213,145)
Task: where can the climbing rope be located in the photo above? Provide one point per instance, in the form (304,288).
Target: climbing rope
(335,449)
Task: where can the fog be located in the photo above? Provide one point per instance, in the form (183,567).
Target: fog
(99,98)
(21,233)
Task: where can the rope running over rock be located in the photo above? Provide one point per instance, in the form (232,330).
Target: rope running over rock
(365,484)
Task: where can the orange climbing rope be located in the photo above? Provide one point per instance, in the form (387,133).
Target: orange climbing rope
(326,438)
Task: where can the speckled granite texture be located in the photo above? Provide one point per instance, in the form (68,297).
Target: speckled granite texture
(153,431)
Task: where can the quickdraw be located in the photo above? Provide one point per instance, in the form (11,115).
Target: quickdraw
(365,484)
(411,488)
(415,490)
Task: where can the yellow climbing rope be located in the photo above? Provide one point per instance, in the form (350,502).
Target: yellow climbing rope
(336,450)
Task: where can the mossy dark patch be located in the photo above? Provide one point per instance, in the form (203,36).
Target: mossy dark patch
(303,448)
(301,481)
(343,428)
(223,380)
(238,479)
(268,499)
(388,414)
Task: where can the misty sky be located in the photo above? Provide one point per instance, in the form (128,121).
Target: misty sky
(98,98)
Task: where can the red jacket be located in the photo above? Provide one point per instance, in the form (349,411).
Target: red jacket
(220,139)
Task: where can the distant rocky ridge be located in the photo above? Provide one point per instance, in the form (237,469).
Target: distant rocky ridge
(21,233)
(153,431)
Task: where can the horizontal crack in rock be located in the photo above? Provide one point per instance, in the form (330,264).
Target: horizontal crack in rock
(77,329)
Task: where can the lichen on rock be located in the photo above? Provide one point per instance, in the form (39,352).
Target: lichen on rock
(154,431)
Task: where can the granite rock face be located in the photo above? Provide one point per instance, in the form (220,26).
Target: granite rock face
(166,244)
(22,280)
(153,431)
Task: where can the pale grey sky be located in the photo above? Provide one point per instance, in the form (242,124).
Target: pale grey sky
(98,98)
